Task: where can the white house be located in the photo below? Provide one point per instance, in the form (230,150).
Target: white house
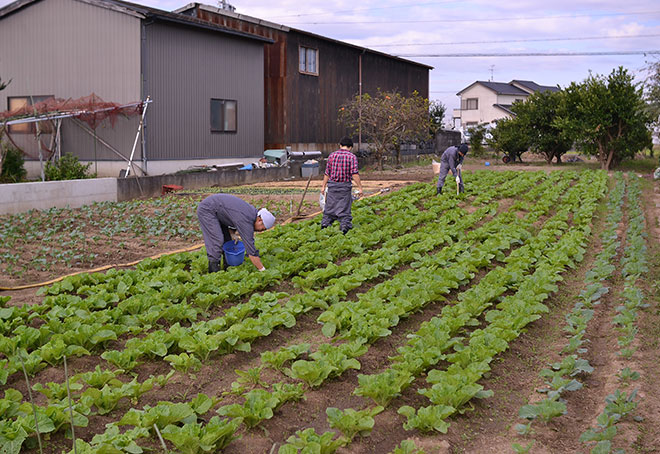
(485,102)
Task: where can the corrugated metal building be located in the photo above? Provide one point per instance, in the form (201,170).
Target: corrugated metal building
(308,77)
(206,81)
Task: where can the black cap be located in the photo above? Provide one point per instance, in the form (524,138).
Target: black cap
(463,148)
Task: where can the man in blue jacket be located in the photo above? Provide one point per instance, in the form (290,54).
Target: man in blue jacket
(220,212)
(452,159)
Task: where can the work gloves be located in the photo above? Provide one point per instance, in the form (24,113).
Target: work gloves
(234,236)
(459,167)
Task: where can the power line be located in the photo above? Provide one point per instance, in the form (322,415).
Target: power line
(530,40)
(359,10)
(532,54)
(493,19)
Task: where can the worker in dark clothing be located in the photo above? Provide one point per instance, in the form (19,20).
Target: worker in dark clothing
(218,214)
(342,167)
(452,159)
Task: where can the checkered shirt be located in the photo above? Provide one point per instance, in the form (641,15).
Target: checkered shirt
(342,165)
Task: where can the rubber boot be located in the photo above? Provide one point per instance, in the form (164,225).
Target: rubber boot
(438,190)
(214,266)
(224,265)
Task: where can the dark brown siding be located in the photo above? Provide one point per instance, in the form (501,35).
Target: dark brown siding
(314,101)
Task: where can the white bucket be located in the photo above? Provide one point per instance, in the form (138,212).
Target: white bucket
(436,166)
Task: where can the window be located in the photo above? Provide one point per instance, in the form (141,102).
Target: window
(470,104)
(308,60)
(16,102)
(223,115)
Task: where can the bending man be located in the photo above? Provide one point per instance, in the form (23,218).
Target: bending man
(342,167)
(452,159)
(218,214)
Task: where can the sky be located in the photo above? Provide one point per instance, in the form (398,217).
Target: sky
(598,35)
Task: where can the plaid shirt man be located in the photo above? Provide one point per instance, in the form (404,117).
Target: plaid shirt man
(342,165)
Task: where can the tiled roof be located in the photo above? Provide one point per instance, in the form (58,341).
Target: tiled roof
(505,107)
(502,88)
(533,86)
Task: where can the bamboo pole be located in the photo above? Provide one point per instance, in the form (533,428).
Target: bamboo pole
(34,408)
(68,393)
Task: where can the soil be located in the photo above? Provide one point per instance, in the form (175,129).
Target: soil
(489,426)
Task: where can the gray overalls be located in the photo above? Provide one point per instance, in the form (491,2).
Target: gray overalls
(448,161)
(216,214)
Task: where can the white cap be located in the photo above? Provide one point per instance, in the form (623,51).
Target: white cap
(267,218)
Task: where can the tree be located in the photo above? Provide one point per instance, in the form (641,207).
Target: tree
(68,168)
(606,117)
(437,112)
(12,165)
(477,135)
(536,116)
(387,120)
(509,138)
(652,91)
(4,149)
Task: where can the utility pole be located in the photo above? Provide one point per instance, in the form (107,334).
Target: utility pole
(491,72)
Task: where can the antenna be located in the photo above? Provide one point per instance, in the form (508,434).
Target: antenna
(491,72)
(223,4)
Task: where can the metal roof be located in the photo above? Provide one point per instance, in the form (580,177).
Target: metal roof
(143,12)
(285,28)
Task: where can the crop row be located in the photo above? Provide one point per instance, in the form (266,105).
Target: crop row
(562,377)
(621,404)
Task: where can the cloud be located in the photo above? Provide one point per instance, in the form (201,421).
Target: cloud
(427,27)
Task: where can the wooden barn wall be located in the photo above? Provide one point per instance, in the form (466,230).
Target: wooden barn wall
(314,101)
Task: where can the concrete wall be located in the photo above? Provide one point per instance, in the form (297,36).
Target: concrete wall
(20,197)
(112,169)
(151,186)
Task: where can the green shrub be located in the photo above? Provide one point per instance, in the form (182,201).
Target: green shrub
(13,169)
(68,168)
(477,136)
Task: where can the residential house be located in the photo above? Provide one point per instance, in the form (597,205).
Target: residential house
(307,78)
(206,82)
(484,102)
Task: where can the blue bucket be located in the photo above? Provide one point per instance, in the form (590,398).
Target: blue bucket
(234,252)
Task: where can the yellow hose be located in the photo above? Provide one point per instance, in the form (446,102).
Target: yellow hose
(101,268)
(122,265)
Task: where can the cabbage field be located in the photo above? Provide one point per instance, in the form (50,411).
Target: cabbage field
(395,338)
